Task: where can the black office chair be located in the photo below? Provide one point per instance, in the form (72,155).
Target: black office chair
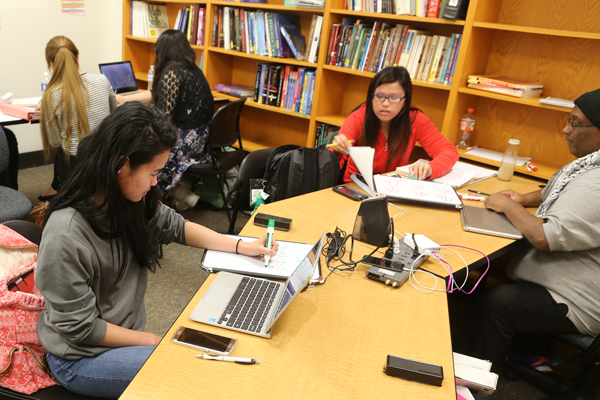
(224,132)
(13,205)
(253,167)
(582,387)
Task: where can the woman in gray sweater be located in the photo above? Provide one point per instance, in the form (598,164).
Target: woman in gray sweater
(101,237)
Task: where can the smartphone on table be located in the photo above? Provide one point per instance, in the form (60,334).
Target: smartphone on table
(350,193)
(204,341)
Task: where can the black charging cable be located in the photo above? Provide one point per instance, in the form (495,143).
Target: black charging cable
(336,248)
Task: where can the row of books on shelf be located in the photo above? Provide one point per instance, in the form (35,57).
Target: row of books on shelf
(148,20)
(191,20)
(265,33)
(292,3)
(323,131)
(283,86)
(372,47)
(448,9)
(506,86)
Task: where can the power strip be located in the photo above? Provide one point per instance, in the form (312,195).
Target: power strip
(424,244)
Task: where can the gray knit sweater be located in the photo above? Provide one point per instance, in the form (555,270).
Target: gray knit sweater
(76,274)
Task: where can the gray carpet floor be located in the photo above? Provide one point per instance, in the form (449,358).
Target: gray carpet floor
(180,276)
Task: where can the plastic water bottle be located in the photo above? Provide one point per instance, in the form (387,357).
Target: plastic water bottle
(466,126)
(509,159)
(151,77)
(45,81)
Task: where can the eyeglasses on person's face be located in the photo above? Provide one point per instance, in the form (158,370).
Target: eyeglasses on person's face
(392,99)
(576,125)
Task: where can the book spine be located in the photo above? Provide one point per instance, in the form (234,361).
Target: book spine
(238,29)
(452,59)
(282,74)
(402,45)
(451,78)
(299,85)
(286,78)
(266,87)
(257,82)
(447,57)
(221,37)
(310,37)
(332,44)
(201,26)
(314,47)
(215,34)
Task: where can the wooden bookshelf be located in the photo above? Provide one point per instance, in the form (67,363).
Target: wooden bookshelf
(552,42)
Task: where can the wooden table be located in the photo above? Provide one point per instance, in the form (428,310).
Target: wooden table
(333,340)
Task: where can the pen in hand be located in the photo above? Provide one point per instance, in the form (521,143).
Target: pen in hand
(269,244)
(238,360)
(335,144)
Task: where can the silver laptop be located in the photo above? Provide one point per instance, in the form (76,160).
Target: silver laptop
(121,77)
(482,220)
(252,305)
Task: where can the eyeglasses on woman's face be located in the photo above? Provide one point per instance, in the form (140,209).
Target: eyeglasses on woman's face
(392,99)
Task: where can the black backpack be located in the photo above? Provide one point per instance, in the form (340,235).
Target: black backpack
(293,170)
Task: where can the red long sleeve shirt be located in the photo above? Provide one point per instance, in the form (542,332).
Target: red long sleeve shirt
(442,152)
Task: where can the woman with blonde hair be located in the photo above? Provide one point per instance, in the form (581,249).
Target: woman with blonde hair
(73,105)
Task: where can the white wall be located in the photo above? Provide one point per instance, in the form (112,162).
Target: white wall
(25,28)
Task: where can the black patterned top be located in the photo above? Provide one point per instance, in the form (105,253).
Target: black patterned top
(184,94)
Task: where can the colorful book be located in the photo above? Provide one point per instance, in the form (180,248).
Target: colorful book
(235,90)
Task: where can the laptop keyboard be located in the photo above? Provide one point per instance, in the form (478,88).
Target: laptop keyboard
(250,304)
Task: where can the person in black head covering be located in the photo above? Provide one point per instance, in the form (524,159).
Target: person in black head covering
(557,269)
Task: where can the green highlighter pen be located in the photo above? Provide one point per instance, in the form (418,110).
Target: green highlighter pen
(270,231)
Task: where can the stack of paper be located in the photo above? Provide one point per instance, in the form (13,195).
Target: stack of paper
(475,374)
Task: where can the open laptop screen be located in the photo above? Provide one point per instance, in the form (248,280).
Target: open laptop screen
(301,275)
(120,75)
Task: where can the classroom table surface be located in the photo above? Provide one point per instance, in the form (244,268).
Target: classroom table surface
(333,340)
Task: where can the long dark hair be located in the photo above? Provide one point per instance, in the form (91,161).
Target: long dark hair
(400,126)
(135,132)
(172,50)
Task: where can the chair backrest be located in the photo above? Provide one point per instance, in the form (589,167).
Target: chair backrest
(27,229)
(253,167)
(4,154)
(225,125)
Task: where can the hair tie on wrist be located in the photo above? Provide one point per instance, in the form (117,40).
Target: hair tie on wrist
(236,246)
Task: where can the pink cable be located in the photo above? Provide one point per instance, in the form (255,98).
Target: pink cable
(451,273)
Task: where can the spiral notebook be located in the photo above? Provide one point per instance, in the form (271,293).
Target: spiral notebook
(398,188)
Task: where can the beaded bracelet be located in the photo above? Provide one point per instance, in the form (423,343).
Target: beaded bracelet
(236,246)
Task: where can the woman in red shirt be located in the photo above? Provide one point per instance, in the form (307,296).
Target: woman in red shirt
(388,123)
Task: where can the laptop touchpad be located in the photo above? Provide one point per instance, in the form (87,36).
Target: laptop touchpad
(219,295)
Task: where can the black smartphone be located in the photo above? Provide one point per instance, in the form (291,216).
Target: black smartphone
(204,340)
(350,193)
(385,263)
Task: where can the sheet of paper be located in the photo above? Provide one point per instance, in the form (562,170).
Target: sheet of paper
(495,155)
(363,157)
(289,255)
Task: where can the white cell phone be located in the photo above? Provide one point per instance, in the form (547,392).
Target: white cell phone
(204,340)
